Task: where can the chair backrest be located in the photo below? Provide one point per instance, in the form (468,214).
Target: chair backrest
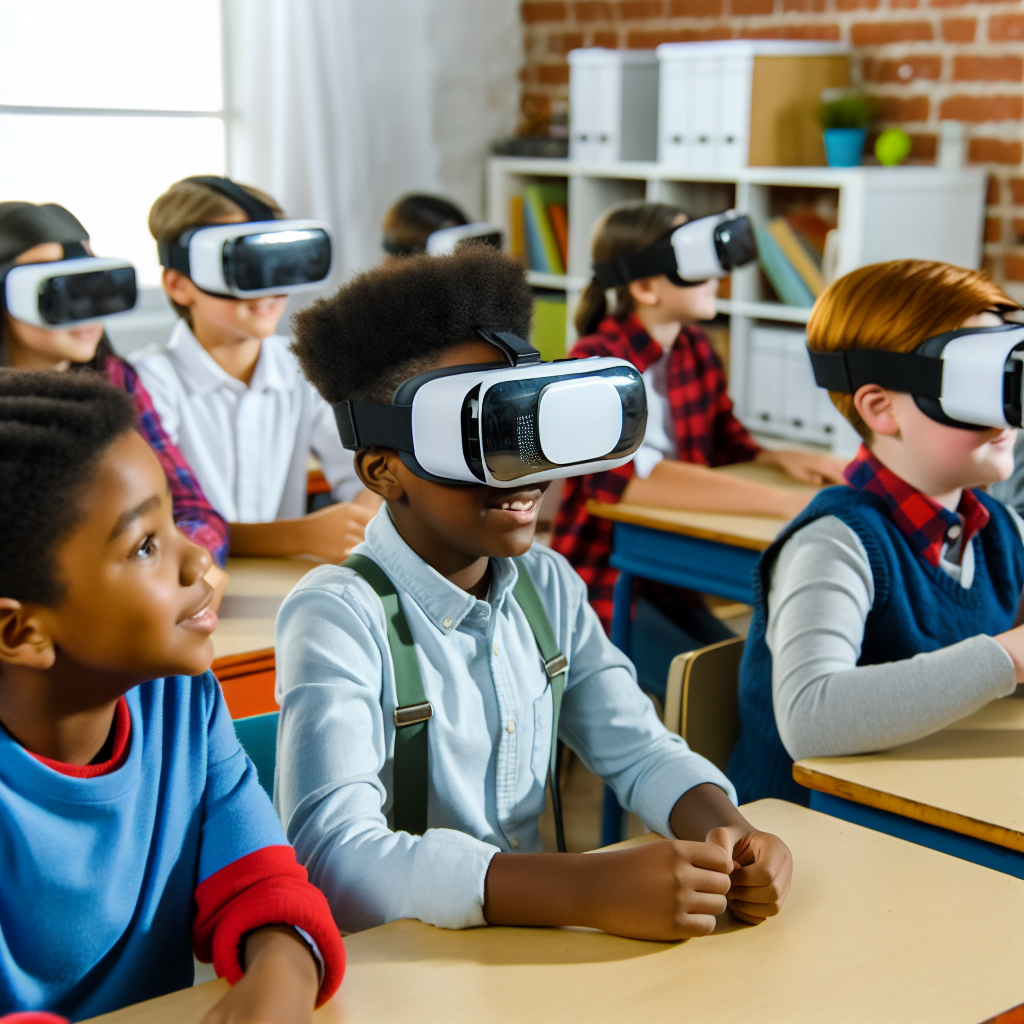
(702,699)
(258,736)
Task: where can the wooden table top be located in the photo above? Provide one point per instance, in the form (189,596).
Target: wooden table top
(875,930)
(255,592)
(742,531)
(968,777)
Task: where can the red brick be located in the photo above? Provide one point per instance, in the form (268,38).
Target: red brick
(959,30)
(1014,263)
(562,42)
(1017,190)
(593,10)
(921,66)
(649,40)
(535,11)
(994,151)
(867,33)
(972,68)
(826,32)
(609,40)
(553,74)
(993,229)
(636,10)
(857,5)
(923,146)
(803,5)
(741,8)
(1018,230)
(898,108)
(992,194)
(902,3)
(1006,28)
(949,3)
(695,8)
(982,108)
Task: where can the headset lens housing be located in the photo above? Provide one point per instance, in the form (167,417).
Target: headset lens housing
(277,259)
(72,298)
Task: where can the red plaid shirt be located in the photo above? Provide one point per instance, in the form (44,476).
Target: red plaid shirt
(193,514)
(706,432)
(922,520)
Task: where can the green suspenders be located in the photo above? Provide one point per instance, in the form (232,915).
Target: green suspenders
(414,710)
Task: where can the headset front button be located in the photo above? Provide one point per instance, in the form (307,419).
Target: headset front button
(511,726)
(447,622)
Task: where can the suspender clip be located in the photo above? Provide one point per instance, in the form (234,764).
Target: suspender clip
(413,714)
(556,666)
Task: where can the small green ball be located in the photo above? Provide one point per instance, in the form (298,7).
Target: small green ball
(892,147)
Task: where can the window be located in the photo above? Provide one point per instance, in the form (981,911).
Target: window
(104,104)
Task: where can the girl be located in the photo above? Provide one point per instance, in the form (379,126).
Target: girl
(44,234)
(413,219)
(690,424)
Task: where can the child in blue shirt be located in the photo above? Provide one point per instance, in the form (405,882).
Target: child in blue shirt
(453,554)
(134,830)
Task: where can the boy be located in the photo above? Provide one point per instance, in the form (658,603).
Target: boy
(887,610)
(449,551)
(134,829)
(231,397)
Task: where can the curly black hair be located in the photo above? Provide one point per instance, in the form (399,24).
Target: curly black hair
(53,429)
(398,320)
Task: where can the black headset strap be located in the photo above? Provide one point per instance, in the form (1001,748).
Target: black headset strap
(253,207)
(849,369)
(658,259)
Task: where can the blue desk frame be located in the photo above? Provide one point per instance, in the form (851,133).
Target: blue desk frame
(710,566)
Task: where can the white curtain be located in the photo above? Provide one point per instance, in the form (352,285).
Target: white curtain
(343,105)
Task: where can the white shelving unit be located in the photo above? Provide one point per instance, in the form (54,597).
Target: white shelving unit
(882,213)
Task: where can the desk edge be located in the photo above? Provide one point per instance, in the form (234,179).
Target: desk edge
(615,514)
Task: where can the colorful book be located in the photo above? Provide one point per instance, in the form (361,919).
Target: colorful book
(543,247)
(797,255)
(788,284)
(560,225)
(516,229)
(548,335)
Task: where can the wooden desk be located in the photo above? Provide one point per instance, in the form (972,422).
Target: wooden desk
(960,790)
(874,930)
(243,643)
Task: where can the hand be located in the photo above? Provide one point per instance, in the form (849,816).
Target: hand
(1012,641)
(807,467)
(280,984)
(218,579)
(333,532)
(762,871)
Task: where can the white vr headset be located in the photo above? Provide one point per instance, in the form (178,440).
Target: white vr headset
(263,256)
(445,240)
(972,378)
(70,292)
(690,254)
(510,425)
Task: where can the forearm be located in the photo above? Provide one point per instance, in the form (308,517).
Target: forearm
(282,538)
(701,809)
(684,485)
(541,890)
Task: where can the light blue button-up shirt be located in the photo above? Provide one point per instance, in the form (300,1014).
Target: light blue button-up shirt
(489,737)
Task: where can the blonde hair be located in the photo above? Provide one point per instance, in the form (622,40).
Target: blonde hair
(895,306)
(190,204)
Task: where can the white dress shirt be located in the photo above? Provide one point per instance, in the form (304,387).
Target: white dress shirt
(489,737)
(248,445)
(660,439)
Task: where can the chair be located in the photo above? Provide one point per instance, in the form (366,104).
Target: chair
(258,737)
(702,699)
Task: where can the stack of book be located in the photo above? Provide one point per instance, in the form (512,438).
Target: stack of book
(790,250)
(539,227)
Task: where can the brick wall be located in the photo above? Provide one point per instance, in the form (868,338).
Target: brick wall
(926,60)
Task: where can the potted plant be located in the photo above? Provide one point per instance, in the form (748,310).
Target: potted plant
(845,116)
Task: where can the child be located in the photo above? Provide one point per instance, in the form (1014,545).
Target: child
(450,552)
(413,219)
(134,829)
(43,234)
(887,609)
(690,424)
(230,395)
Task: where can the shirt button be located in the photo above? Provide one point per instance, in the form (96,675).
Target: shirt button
(511,726)
(447,622)
(495,650)
(953,532)
(514,842)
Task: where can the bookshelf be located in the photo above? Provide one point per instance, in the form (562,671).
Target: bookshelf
(881,213)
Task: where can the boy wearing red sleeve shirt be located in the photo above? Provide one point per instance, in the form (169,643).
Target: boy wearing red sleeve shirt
(135,829)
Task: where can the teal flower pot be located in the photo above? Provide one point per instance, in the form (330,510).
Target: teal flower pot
(843,146)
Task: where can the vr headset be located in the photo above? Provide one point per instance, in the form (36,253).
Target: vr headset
(445,241)
(265,256)
(690,254)
(507,425)
(70,291)
(972,378)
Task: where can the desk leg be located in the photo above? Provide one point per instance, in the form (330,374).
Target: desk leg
(989,855)
(622,607)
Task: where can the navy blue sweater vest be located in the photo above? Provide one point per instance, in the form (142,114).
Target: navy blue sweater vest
(917,608)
